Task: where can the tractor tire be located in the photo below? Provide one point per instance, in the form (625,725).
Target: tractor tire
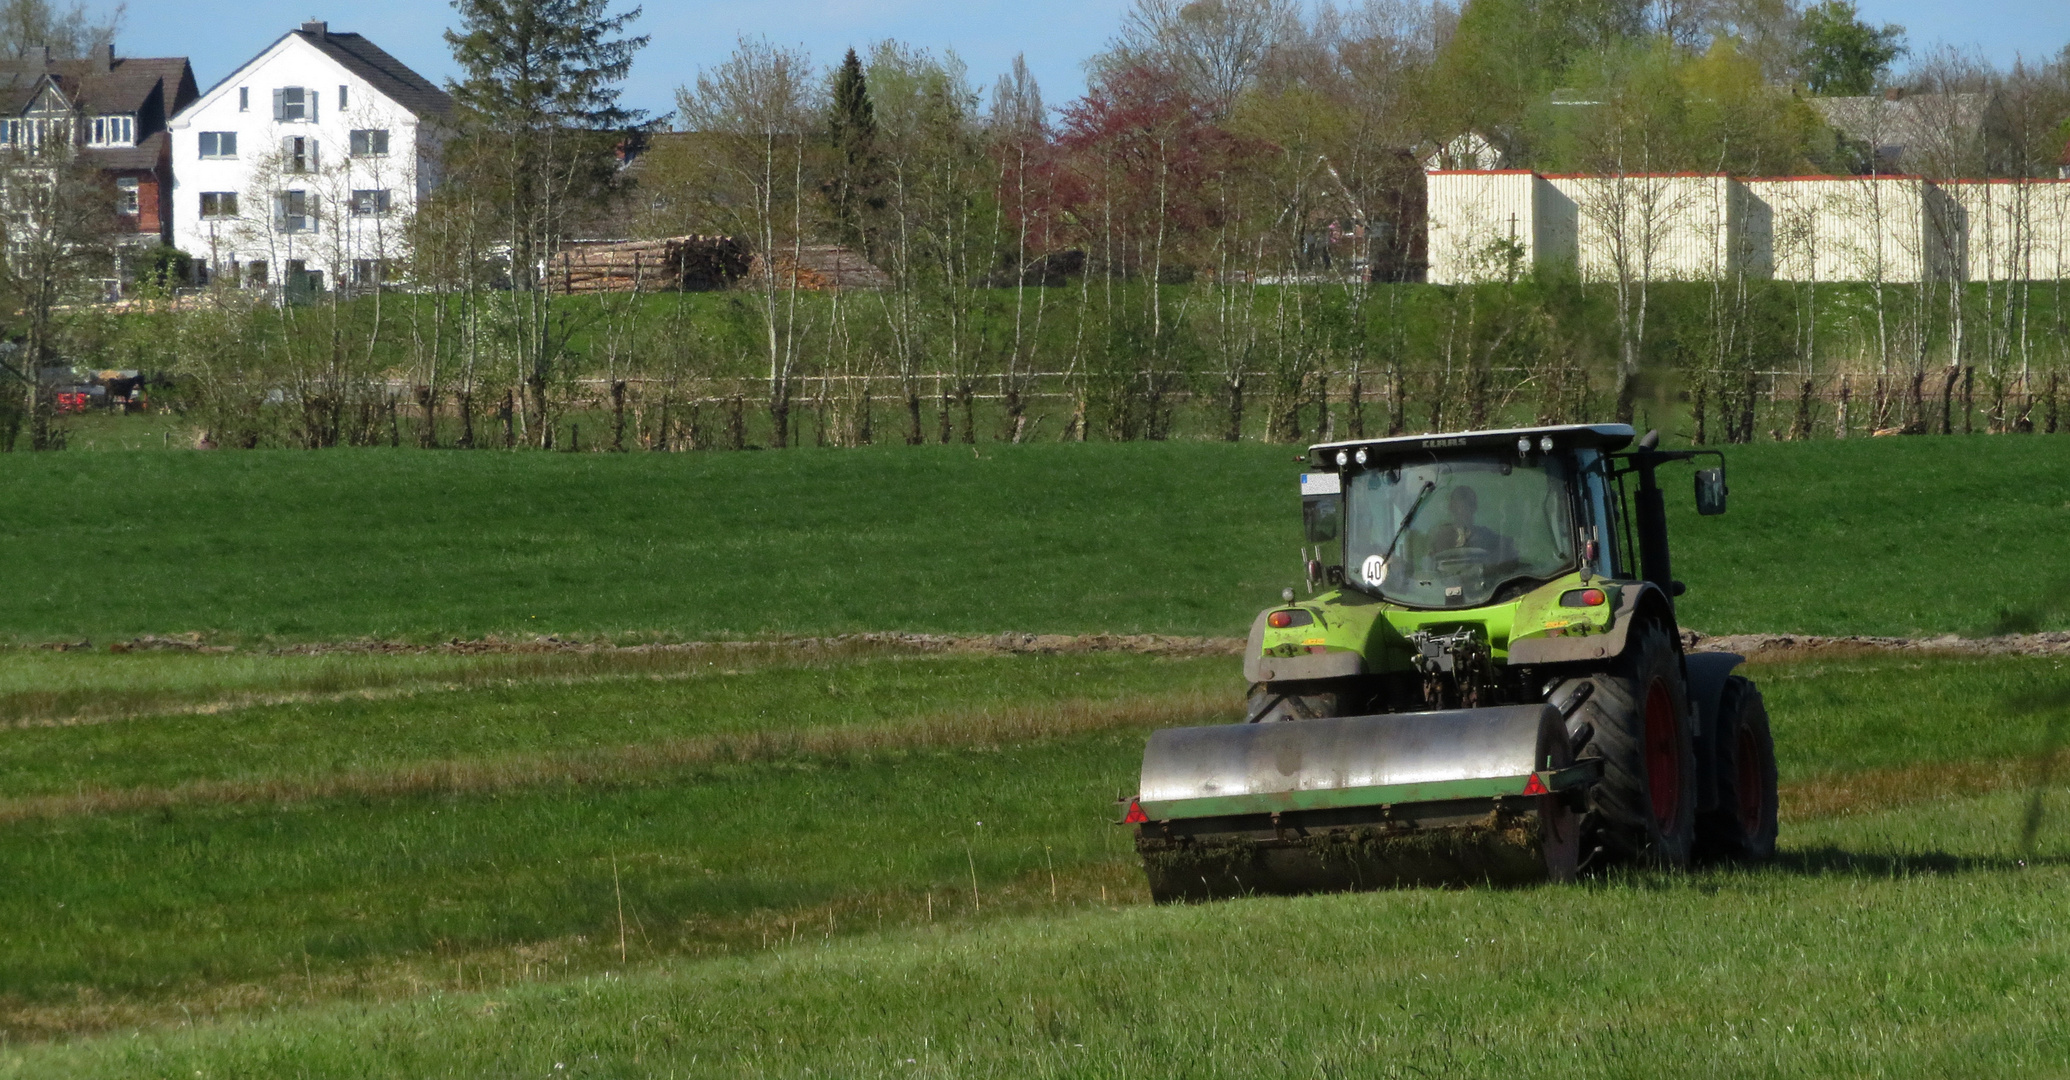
(1636,720)
(1268,703)
(1743,825)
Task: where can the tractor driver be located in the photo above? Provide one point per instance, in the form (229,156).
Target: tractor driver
(1459,531)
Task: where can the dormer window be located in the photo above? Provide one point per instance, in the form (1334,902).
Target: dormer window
(113,131)
(294,104)
(30,135)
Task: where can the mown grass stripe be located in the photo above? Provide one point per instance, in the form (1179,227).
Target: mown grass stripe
(650,760)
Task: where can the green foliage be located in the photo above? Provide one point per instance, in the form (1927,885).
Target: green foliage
(1844,55)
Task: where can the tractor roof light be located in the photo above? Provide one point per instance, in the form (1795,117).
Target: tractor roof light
(1545,443)
(1524,445)
(1360,457)
(1342,458)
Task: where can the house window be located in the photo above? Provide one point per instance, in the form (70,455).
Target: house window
(298,154)
(300,278)
(127,190)
(113,131)
(370,142)
(294,104)
(293,211)
(370,203)
(218,144)
(255,272)
(244,99)
(219,204)
(341,98)
(31,134)
(369,271)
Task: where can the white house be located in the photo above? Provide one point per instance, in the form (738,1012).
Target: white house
(300,169)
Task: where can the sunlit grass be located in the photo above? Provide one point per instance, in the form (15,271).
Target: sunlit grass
(1905,944)
(1881,536)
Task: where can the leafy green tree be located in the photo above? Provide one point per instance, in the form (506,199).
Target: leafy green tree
(1844,55)
(539,122)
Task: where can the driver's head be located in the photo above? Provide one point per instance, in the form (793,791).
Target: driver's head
(1463,503)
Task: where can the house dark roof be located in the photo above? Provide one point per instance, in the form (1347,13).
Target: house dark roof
(145,155)
(99,84)
(387,74)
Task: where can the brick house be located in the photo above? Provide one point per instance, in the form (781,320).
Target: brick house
(114,110)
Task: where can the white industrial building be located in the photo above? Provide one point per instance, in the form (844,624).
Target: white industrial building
(1491,225)
(301,168)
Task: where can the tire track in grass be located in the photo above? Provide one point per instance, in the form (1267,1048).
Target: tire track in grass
(553,662)
(651,761)
(1109,884)
(1870,790)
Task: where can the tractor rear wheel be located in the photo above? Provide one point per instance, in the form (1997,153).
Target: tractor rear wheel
(1743,825)
(1644,808)
(1269,703)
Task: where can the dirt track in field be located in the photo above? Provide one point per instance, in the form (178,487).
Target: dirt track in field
(1774,647)
(996,644)
(1763,646)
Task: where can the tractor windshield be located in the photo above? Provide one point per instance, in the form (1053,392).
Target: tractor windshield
(1460,528)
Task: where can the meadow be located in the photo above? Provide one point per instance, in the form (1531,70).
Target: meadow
(1898,536)
(875,858)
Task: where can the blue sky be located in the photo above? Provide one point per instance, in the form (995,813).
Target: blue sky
(1056,35)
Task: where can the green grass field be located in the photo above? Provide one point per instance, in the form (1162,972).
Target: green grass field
(866,859)
(450,878)
(1883,536)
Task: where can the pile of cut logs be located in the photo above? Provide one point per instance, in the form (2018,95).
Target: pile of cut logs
(678,263)
(819,267)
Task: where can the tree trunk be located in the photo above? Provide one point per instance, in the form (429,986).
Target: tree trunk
(618,416)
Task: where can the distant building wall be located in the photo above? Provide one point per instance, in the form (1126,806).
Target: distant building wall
(1894,229)
(1658,227)
(1483,225)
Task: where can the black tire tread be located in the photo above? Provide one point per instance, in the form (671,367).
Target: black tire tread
(1720,834)
(1620,811)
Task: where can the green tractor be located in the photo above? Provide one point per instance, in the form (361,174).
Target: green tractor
(1486,683)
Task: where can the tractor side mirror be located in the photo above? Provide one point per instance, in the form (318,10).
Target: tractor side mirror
(1710,491)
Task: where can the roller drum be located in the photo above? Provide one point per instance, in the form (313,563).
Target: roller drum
(1354,802)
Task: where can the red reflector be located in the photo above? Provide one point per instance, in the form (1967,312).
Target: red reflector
(1136,816)
(1535,786)
(1592,597)
(1280,619)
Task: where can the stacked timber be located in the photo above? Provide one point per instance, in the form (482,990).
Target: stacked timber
(675,264)
(822,267)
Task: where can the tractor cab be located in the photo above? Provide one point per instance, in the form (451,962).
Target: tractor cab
(1457,522)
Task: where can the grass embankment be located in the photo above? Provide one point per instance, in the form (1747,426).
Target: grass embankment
(498,835)
(1886,536)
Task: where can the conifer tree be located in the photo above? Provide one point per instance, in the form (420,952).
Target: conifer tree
(854,175)
(539,124)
